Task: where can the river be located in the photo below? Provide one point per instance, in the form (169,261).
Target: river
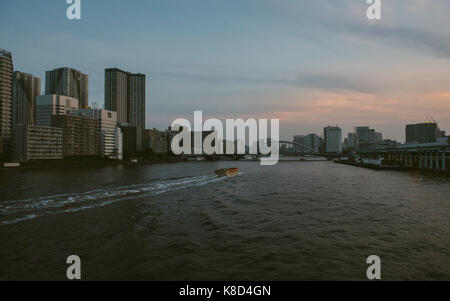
(292,221)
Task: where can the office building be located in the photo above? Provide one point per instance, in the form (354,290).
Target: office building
(125,94)
(386,143)
(26,88)
(80,135)
(422,132)
(6,76)
(299,143)
(68,82)
(366,138)
(49,105)
(38,143)
(312,143)
(332,139)
(379,137)
(351,140)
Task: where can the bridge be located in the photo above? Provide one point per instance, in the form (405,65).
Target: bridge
(283,150)
(291,151)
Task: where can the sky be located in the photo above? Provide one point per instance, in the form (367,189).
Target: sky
(309,63)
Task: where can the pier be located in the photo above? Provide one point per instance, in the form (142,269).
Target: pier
(432,157)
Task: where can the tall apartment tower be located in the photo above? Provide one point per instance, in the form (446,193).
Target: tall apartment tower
(125,94)
(26,88)
(136,105)
(6,75)
(68,82)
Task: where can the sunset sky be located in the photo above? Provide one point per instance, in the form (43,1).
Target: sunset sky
(309,63)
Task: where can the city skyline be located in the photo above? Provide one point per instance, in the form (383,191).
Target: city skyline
(244,71)
(129,95)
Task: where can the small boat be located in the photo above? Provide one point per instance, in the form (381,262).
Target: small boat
(227,171)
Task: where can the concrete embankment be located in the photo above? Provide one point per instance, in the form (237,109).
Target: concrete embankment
(371,166)
(389,167)
(64,163)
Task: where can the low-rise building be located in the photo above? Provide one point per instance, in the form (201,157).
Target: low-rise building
(110,136)
(155,140)
(111,144)
(49,105)
(80,135)
(38,143)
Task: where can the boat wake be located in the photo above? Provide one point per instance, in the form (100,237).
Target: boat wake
(21,210)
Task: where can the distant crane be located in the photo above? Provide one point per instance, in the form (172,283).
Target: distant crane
(431,119)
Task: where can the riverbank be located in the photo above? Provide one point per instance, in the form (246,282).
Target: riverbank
(371,166)
(389,167)
(88,162)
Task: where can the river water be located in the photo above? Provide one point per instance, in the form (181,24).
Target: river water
(293,221)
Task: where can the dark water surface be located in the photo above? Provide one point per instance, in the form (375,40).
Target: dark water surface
(292,221)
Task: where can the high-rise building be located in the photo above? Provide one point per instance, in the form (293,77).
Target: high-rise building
(351,140)
(136,105)
(312,143)
(6,75)
(365,137)
(26,88)
(38,143)
(80,135)
(299,143)
(49,105)
(68,82)
(379,137)
(125,94)
(116,93)
(422,132)
(332,139)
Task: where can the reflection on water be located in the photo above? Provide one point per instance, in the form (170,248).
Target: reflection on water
(293,221)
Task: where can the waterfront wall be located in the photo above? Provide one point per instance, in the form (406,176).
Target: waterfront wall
(422,158)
